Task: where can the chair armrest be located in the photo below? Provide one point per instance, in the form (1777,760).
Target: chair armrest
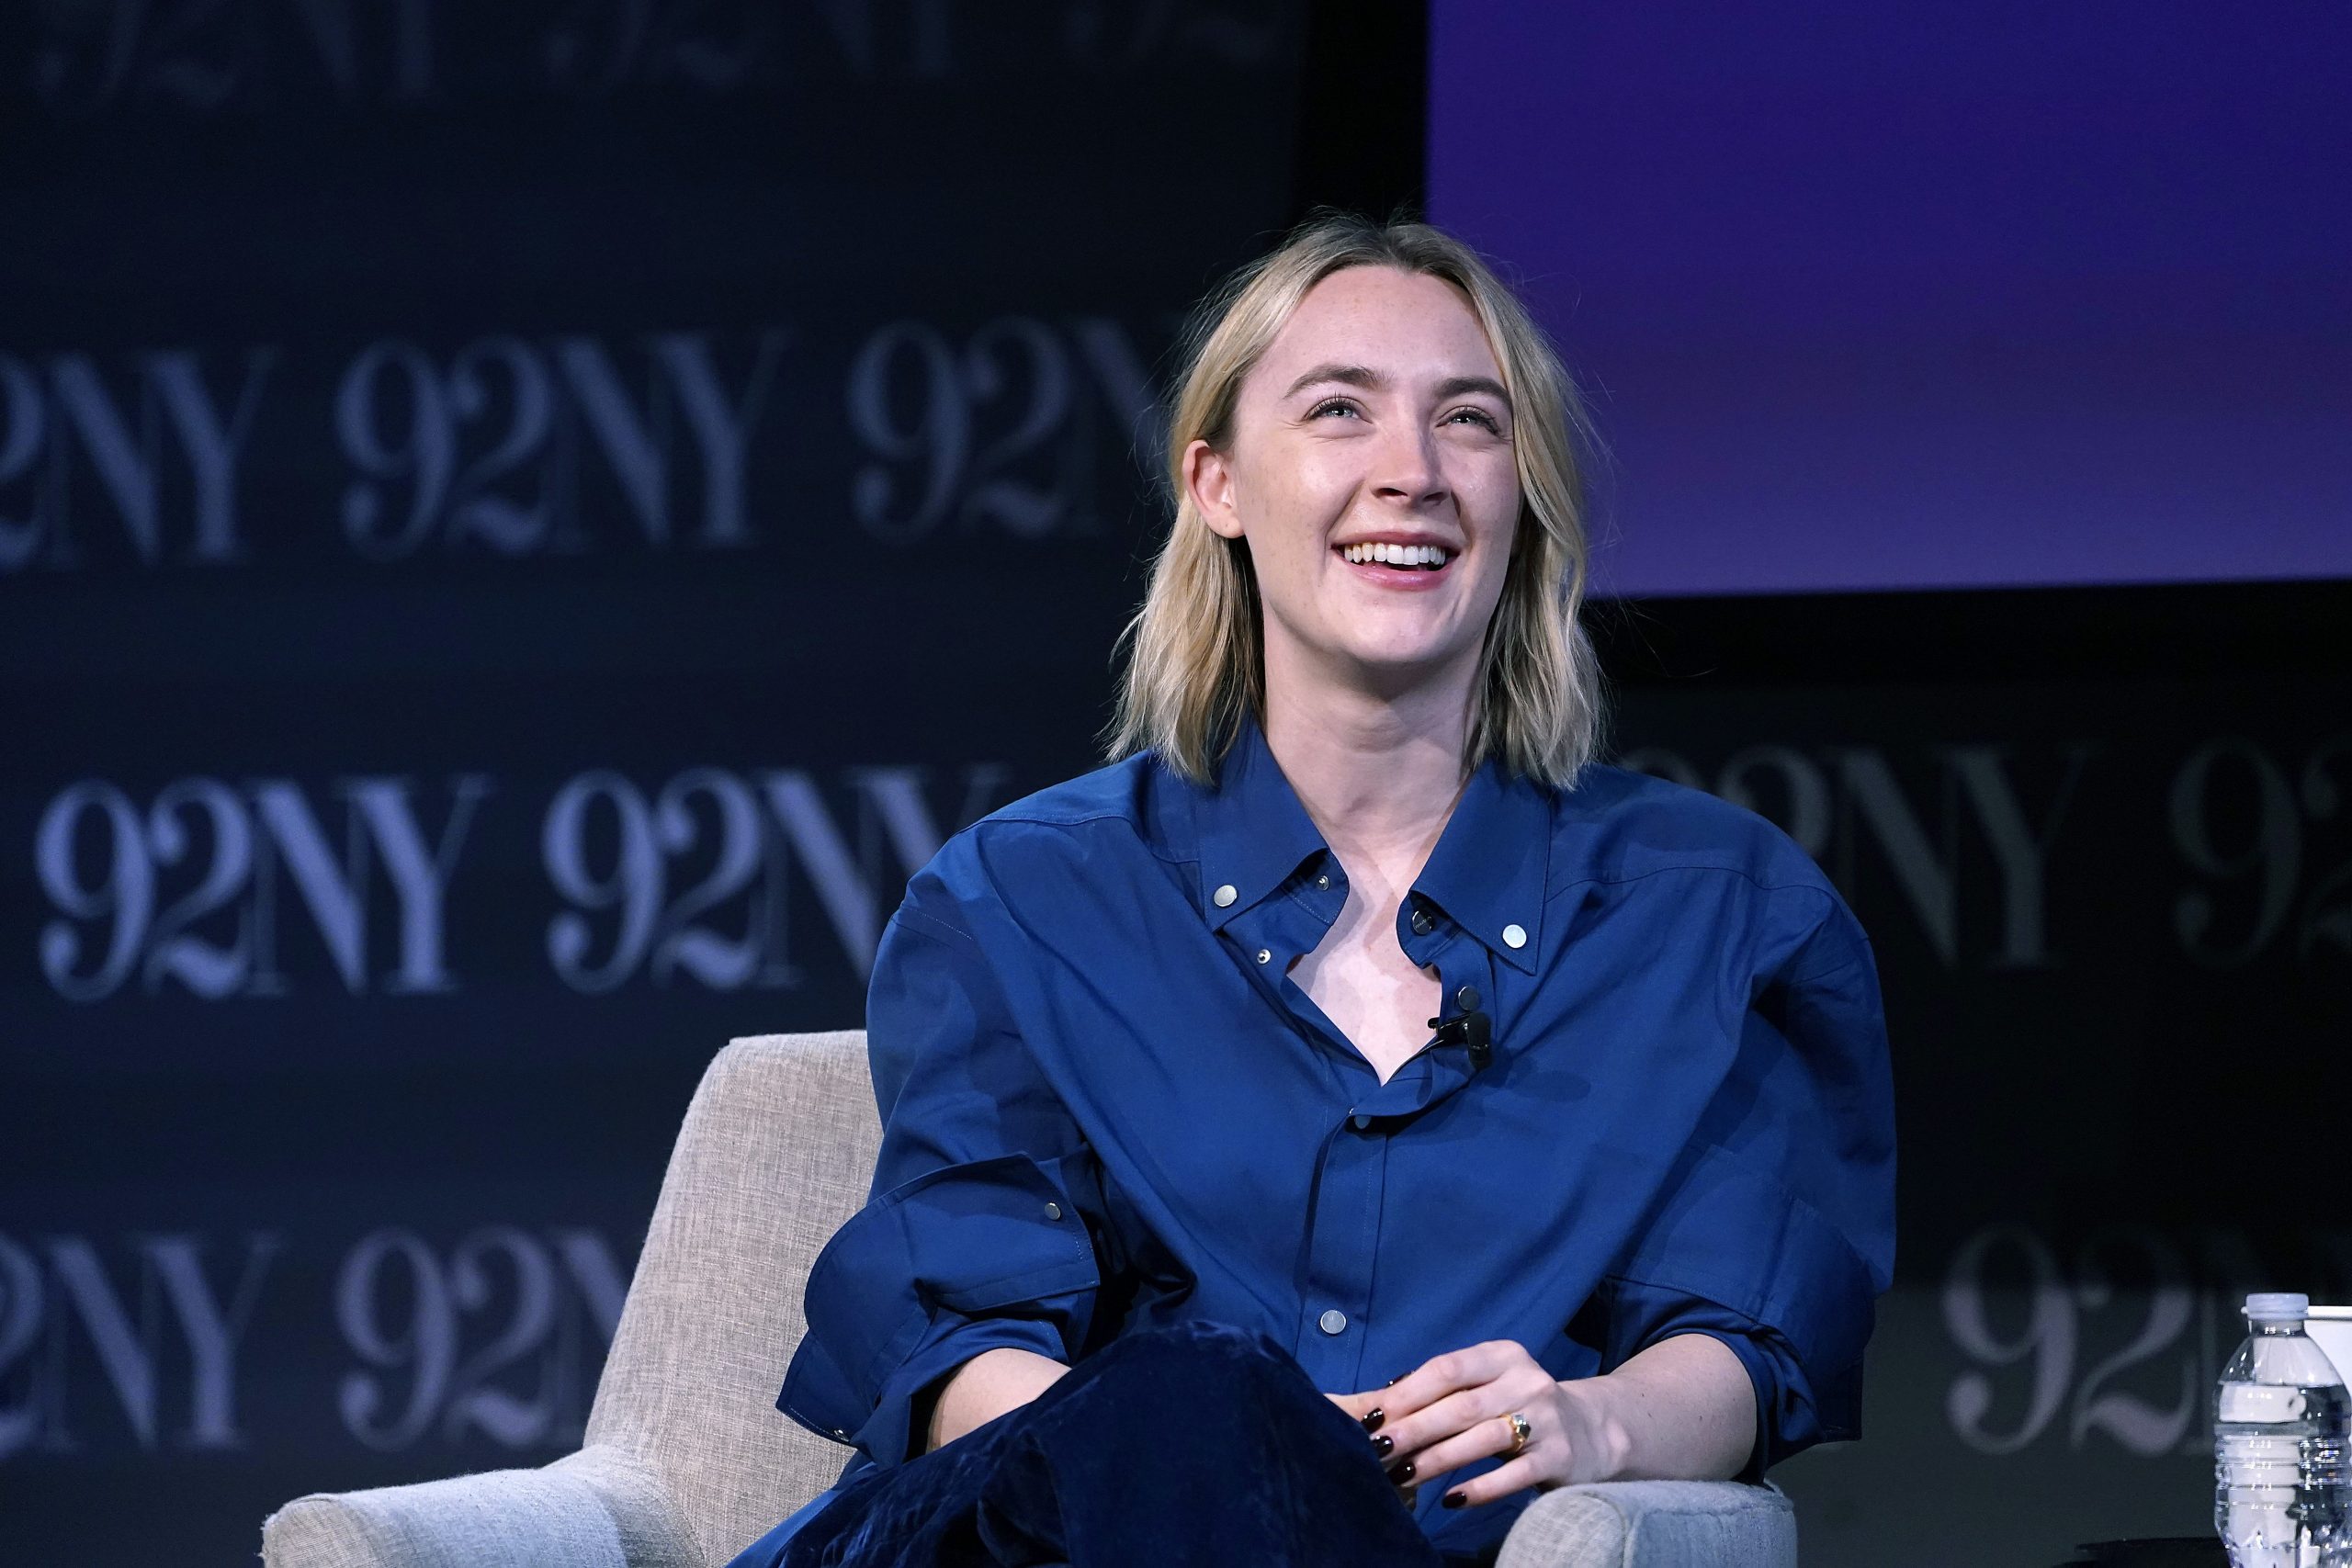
(598,1508)
(1654,1524)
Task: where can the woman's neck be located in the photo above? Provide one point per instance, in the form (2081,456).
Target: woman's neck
(1378,775)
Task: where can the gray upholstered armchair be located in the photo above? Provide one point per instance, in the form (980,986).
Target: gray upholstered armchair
(687,1460)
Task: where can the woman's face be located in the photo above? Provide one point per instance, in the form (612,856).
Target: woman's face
(1375,424)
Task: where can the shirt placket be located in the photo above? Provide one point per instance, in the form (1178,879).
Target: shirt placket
(1347,1201)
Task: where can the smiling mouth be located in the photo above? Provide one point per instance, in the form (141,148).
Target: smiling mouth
(1396,558)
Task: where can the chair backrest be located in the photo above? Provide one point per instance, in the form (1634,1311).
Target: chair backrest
(776,1151)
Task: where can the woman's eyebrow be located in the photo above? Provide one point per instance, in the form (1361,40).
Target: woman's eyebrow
(1353,374)
(1372,380)
(1456,386)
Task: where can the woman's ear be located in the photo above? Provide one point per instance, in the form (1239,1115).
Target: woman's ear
(1208,480)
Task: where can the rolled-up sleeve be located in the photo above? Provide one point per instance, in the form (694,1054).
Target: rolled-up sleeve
(1776,1233)
(980,1231)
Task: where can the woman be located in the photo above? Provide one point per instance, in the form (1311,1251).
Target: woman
(1353,1032)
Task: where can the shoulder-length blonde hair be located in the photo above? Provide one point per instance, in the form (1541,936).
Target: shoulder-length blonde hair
(1196,649)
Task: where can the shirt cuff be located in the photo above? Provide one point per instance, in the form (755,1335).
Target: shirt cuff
(1792,1413)
(963,1260)
(890,1436)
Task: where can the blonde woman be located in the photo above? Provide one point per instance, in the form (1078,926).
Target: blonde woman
(1355,1109)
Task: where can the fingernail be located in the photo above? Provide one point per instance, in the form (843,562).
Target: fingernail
(1383,1445)
(1372,1422)
(1455,1500)
(1401,1474)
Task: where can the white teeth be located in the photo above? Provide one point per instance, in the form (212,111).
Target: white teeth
(1396,555)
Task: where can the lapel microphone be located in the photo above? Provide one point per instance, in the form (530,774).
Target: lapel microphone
(1473,1029)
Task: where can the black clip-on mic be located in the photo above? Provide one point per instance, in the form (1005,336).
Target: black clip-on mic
(1473,1029)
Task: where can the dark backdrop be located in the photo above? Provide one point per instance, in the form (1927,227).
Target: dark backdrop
(520,525)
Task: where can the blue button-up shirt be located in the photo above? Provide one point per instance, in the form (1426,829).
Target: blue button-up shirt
(1107,1105)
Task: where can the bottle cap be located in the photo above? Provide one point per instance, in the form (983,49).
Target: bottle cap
(2275,1307)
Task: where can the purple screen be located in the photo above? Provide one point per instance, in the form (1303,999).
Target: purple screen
(1873,296)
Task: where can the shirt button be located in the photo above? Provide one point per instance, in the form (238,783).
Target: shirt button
(1360,1120)
(1323,882)
(841,1434)
(1265,955)
(1225,896)
(1052,1211)
(1514,936)
(1333,1322)
(1421,923)
(1466,999)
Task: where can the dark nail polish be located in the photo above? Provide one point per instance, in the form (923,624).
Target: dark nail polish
(1401,1474)
(1383,1445)
(1372,1422)
(1455,1500)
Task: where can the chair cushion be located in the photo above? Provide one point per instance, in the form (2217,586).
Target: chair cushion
(1656,1524)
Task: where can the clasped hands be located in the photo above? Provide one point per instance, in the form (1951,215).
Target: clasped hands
(1456,1408)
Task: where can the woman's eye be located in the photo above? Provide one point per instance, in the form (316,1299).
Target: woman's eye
(1341,404)
(1481,415)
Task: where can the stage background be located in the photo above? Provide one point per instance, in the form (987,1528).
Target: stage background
(520,525)
(1884,297)
(1977,297)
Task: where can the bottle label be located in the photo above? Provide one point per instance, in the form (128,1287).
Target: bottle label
(2260,1402)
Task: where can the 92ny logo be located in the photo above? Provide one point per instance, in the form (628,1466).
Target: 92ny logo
(156,1339)
(508,447)
(712,876)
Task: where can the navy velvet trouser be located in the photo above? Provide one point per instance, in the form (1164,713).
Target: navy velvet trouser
(1192,1444)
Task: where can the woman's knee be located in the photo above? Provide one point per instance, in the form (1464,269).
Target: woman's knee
(1203,1362)
(1201,1342)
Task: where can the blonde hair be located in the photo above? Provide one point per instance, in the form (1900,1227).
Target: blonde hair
(1196,648)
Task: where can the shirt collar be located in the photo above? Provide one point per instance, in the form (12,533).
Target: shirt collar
(1253,831)
(1492,862)
(1487,872)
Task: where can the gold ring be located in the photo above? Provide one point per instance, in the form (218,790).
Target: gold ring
(1520,1430)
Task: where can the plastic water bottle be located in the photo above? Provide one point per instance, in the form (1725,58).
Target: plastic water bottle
(2282,1489)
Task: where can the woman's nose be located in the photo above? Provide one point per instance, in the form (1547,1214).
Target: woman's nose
(1406,466)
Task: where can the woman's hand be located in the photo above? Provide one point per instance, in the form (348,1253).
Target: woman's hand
(1456,1407)
(1683,1409)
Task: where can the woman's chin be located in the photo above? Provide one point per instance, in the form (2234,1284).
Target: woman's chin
(1380,655)
(1388,670)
